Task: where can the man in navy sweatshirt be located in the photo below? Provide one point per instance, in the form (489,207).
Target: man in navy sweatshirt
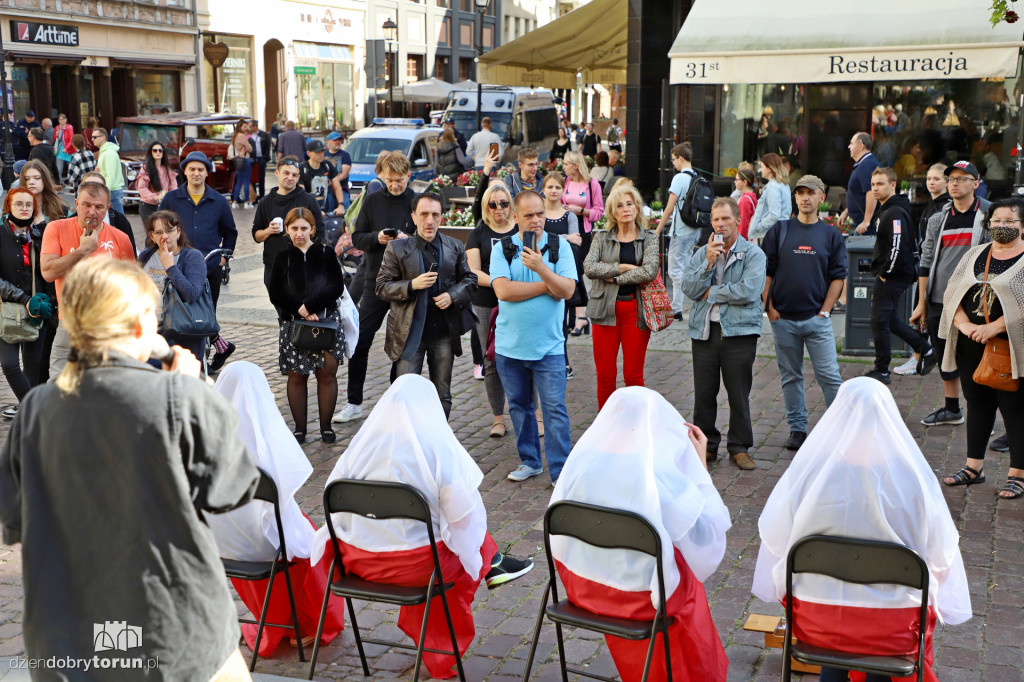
(806,270)
(894,266)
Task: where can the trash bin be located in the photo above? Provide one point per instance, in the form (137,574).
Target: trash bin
(859,286)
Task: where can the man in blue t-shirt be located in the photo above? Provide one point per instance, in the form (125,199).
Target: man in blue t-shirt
(342,162)
(860,204)
(683,237)
(529,337)
(806,268)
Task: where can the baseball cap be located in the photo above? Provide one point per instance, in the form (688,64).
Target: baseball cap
(966,167)
(334,135)
(811,182)
(314,146)
(30,113)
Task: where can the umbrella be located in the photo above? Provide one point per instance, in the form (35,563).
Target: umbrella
(429,90)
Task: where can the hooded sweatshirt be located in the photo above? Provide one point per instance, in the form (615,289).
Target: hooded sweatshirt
(108,163)
(895,241)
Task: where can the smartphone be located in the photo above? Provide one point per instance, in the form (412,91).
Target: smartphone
(530,240)
(718,238)
(391,232)
(432,268)
(494,148)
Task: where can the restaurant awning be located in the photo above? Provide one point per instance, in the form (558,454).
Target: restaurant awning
(424,91)
(590,40)
(795,41)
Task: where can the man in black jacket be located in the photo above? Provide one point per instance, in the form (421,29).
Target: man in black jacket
(386,215)
(269,231)
(261,149)
(43,150)
(894,267)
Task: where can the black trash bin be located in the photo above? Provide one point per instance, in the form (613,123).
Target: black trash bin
(859,287)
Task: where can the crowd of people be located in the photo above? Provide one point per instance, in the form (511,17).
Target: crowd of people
(534,271)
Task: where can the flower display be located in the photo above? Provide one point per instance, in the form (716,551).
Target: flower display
(458,217)
(469,178)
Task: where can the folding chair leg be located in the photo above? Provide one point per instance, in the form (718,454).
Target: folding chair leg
(295,615)
(787,673)
(359,639)
(423,626)
(451,633)
(320,625)
(263,619)
(650,646)
(668,653)
(561,652)
(536,632)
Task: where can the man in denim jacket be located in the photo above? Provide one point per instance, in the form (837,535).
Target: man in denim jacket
(724,278)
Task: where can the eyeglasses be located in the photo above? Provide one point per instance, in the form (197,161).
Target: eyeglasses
(157,151)
(96,136)
(289,162)
(1003,223)
(959,180)
(169,230)
(494,205)
(21,204)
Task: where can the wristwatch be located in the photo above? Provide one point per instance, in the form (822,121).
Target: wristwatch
(825,314)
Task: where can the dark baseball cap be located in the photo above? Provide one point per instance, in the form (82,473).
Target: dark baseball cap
(966,167)
(314,146)
(30,114)
(811,182)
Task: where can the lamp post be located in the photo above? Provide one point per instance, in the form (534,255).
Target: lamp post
(7,177)
(390,29)
(481,7)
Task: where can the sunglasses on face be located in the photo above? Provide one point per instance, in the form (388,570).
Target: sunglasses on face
(157,151)
(494,205)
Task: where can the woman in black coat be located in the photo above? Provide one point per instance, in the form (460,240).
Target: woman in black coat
(306,283)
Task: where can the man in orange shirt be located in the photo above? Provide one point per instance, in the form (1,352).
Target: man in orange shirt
(68,241)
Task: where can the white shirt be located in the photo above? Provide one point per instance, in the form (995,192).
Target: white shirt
(479,144)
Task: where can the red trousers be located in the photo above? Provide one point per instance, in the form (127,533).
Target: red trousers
(412,568)
(697,652)
(607,339)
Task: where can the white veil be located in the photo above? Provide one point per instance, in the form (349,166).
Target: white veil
(407,439)
(637,456)
(860,474)
(249,533)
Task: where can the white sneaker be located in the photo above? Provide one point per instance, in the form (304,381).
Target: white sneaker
(908,368)
(248,206)
(523,472)
(10,412)
(348,413)
(234,204)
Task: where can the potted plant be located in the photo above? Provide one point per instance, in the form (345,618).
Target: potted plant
(824,210)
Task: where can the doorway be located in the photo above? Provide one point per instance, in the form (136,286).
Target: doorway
(276,80)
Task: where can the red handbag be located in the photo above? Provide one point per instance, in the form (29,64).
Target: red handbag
(655,305)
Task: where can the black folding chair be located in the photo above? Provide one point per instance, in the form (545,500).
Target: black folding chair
(611,529)
(383,500)
(863,562)
(266,490)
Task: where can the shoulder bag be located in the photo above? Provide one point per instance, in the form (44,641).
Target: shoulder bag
(314,335)
(198,318)
(655,305)
(14,318)
(995,369)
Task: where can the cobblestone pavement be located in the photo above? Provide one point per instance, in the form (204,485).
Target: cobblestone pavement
(986,648)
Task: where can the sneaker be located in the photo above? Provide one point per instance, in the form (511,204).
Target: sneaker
(943,416)
(1001,444)
(478,372)
(220,358)
(9,412)
(677,316)
(927,362)
(879,376)
(247,205)
(523,472)
(796,439)
(234,204)
(505,568)
(348,413)
(569,374)
(908,368)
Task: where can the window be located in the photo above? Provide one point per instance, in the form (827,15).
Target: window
(419,152)
(157,92)
(488,36)
(517,25)
(231,92)
(441,67)
(326,96)
(467,5)
(465,33)
(442,3)
(465,68)
(414,68)
(541,123)
(443,32)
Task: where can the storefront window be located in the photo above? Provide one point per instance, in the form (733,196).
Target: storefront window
(326,97)
(157,92)
(19,87)
(757,119)
(232,90)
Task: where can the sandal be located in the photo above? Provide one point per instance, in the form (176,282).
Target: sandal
(498,430)
(580,331)
(328,435)
(963,477)
(1014,487)
(299,436)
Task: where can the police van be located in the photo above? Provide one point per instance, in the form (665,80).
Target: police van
(412,136)
(521,117)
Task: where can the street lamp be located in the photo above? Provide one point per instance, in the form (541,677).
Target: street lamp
(481,7)
(390,29)
(7,176)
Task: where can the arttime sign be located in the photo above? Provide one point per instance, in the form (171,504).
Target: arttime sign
(44,34)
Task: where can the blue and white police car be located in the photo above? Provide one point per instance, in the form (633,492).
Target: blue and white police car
(411,136)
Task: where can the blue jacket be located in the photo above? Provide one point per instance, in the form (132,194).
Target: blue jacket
(208,225)
(187,276)
(738,296)
(774,205)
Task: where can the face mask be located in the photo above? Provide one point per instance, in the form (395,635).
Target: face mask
(1004,235)
(19,222)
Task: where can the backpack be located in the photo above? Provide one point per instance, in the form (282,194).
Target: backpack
(612,134)
(356,206)
(510,250)
(695,208)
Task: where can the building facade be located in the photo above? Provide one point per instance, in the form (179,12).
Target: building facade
(100,59)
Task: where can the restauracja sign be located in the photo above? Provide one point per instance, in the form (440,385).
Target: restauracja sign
(941,66)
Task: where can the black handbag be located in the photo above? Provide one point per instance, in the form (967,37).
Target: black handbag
(198,318)
(314,335)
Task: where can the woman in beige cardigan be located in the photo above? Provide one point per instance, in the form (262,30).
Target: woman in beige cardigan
(964,326)
(621,258)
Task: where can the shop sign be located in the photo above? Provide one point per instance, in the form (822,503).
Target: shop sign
(305,70)
(215,53)
(44,34)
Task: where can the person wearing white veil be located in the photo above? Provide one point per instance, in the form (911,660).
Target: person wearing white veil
(640,455)
(249,533)
(860,474)
(407,440)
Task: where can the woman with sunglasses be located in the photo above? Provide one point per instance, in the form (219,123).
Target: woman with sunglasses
(155,179)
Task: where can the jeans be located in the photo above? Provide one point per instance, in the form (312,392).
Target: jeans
(728,359)
(372,312)
(519,377)
(607,339)
(837,675)
(242,178)
(440,357)
(680,248)
(886,317)
(11,355)
(790,338)
(117,200)
(347,198)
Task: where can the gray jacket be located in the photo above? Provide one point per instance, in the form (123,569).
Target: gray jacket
(603,261)
(932,244)
(738,296)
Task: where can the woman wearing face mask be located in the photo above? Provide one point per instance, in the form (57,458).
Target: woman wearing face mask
(969,300)
(19,271)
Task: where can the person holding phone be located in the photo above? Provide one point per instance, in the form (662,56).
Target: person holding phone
(428,282)
(483,143)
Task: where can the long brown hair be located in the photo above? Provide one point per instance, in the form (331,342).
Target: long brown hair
(54,207)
